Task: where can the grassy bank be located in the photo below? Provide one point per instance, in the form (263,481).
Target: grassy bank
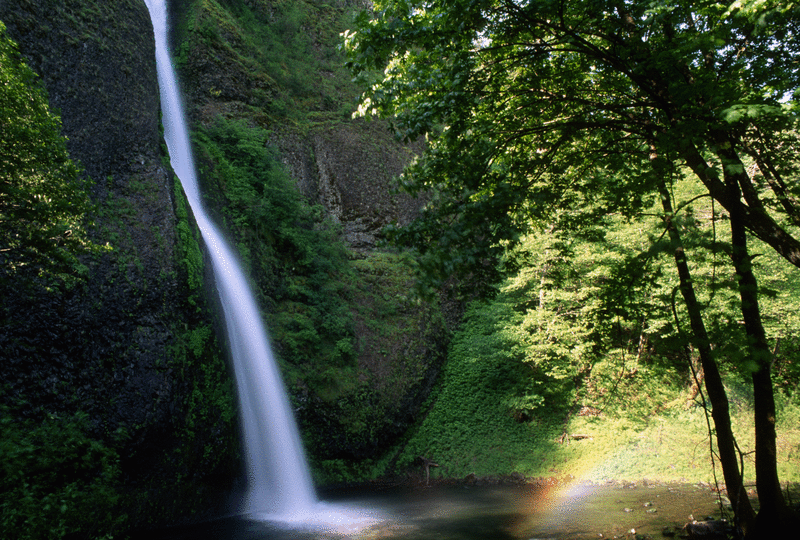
(579,367)
(643,430)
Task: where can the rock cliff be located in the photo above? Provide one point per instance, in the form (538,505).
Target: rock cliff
(136,347)
(126,347)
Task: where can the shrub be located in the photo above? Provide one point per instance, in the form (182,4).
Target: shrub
(56,479)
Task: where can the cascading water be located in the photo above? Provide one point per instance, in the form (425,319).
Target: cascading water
(279,482)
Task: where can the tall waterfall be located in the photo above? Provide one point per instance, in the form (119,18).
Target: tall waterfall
(279,482)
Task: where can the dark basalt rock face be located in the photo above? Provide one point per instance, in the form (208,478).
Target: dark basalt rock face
(97,62)
(123,346)
(350,169)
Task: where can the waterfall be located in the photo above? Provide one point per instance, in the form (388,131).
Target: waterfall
(279,482)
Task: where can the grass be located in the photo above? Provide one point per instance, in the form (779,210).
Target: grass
(646,426)
(671,446)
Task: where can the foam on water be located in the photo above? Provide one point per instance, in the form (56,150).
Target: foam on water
(330,518)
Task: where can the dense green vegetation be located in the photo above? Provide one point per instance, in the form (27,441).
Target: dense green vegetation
(278,59)
(57,477)
(351,340)
(367,406)
(43,197)
(559,352)
(563,115)
(298,261)
(354,346)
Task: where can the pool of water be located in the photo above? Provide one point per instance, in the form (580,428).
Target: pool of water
(574,512)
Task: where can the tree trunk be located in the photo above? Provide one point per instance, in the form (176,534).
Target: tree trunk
(773,509)
(756,220)
(720,411)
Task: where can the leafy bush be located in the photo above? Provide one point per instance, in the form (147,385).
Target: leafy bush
(586,336)
(43,198)
(276,50)
(56,479)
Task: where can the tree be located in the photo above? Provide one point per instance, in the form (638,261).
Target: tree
(569,110)
(43,197)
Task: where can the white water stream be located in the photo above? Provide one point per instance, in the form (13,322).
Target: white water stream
(280,488)
(279,482)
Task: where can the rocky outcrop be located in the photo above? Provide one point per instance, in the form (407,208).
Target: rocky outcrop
(348,166)
(127,346)
(350,169)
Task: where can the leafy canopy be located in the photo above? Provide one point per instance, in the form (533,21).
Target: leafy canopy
(538,112)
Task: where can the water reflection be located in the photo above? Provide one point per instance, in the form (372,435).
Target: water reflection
(574,512)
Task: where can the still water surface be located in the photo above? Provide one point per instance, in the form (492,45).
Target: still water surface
(578,512)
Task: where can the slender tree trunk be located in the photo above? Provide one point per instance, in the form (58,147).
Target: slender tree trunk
(757,221)
(720,411)
(773,509)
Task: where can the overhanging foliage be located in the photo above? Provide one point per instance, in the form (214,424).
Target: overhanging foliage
(43,198)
